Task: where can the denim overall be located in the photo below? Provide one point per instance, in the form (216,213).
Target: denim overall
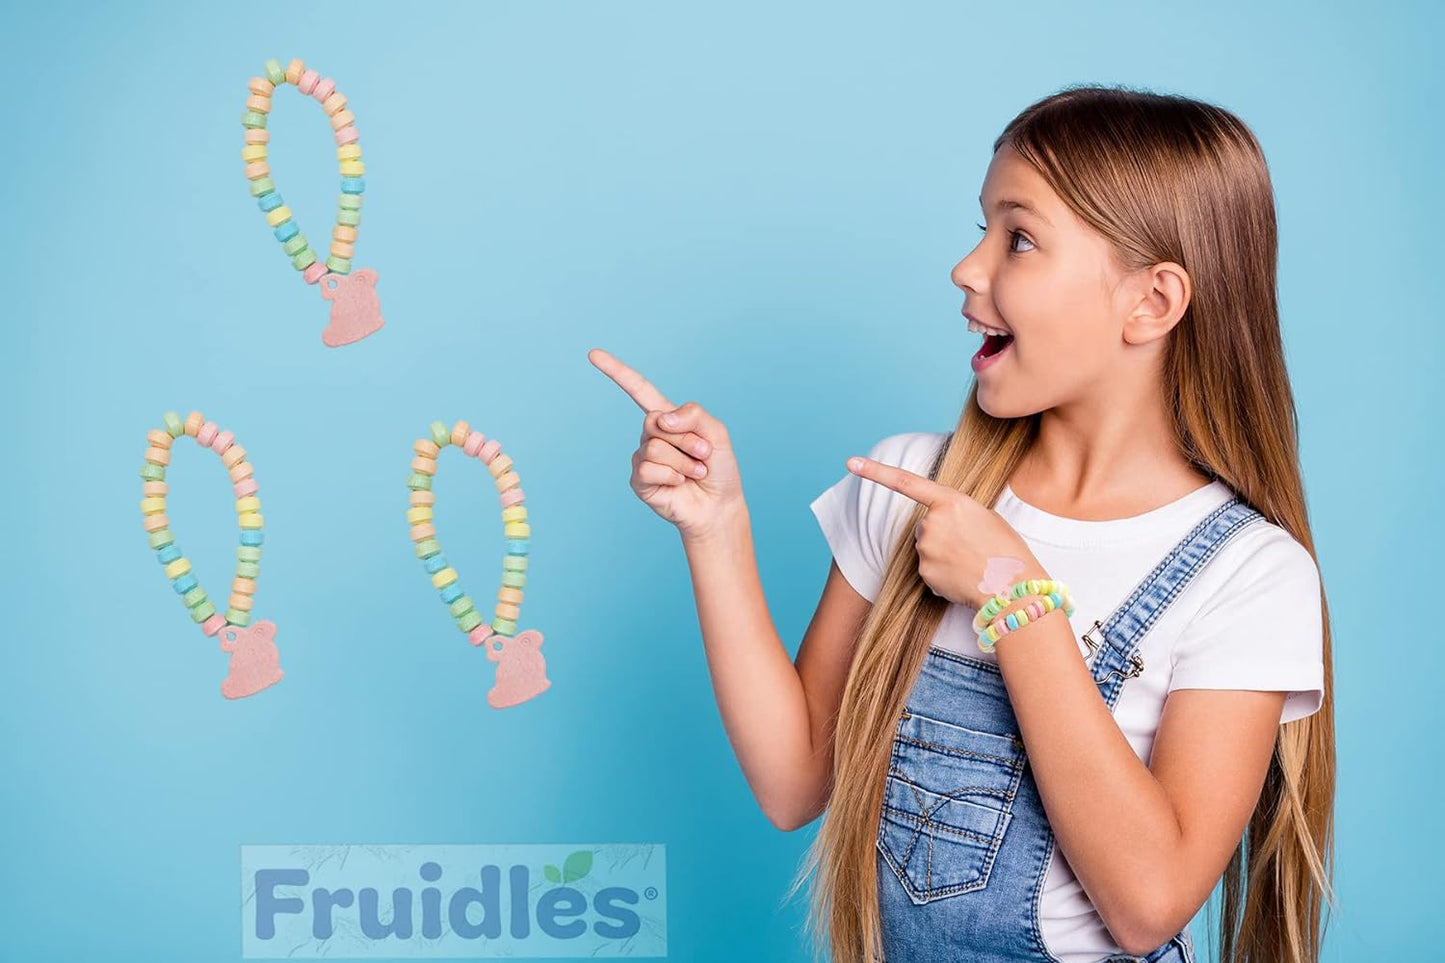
(963,843)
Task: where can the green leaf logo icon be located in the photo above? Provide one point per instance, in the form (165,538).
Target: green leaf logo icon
(579,864)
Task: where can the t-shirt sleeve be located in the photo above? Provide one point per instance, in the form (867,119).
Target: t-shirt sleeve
(858,517)
(1262,628)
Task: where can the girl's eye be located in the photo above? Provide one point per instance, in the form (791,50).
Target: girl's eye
(1012,235)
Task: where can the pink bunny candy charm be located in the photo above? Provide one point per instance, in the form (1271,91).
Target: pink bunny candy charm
(521,670)
(255,660)
(355,306)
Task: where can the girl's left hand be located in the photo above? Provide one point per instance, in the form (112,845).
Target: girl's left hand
(966,552)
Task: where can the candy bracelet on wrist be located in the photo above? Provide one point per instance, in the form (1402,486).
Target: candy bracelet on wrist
(1051,594)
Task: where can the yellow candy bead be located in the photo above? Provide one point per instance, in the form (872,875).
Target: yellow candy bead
(419,514)
(152,506)
(348,152)
(352,168)
(517,530)
(278,216)
(514,513)
(248,504)
(444,578)
(251,520)
(177,568)
(253,152)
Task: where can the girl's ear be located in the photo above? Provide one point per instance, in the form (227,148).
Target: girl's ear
(1164,291)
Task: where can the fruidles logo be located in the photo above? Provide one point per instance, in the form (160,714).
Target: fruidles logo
(453,901)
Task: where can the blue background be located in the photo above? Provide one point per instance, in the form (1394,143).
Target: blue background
(757,206)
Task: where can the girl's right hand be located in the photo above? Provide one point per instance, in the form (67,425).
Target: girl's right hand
(685,472)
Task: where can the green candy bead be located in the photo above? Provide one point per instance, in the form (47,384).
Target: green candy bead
(349,218)
(514,563)
(247,570)
(350,202)
(469,621)
(153,472)
(295,245)
(262,185)
(238,618)
(194,597)
(162,538)
(275,72)
(174,425)
(427,548)
(504,626)
(249,553)
(203,611)
(440,434)
(462,606)
(418,480)
(253,119)
(514,579)
(304,260)
(338,265)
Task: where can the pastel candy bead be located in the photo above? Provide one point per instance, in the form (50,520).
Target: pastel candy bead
(323,90)
(516,546)
(261,86)
(422,532)
(333,103)
(417,515)
(203,612)
(426,466)
(510,480)
(306,83)
(440,434)
(499,464)
(347,152)
(248,504)
(435,563)
(461,606)
(505,627)
(282,213)
(233,456)
(152,506)
(174,426)
(241,602)
(313,272)
(346,135)
(253,118)
(274,73)
(295,245)
(349,202)
(294,70)
(269,202)
(342,249)
(444,578)
(473,443)
(517,513)
(344,233)
(257,169)
(195,596)
(177,568)
(207,434)
(247,570)
(489,451)
(154,523)
(242,470)
(213,624)
(184,585)
(344,118)
(245,586)
(304,259)
(428,547)
(514,563)
(251,520)
(157,438)
(252,538)
(261,186)
(418,480)
(512,496)
(168,554)
(421,498)
(158,456)
(506,610)
(460,430)
(352,185)
(349,218)
(248,553)
(426,448)
(162,538)
(222,441)
(237,617)
(339,265)
(256,135)
(514,579)
(479,634)
(509,595)
(469,621)
(451,593)
(258,103)
(352,168)
(246,486)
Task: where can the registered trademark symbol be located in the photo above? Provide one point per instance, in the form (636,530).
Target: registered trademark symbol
(650,892)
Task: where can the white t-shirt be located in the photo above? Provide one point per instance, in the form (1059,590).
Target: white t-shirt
(1249,619)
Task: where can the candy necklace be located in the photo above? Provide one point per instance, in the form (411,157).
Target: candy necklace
(255,661)
(521,670)
(355,307)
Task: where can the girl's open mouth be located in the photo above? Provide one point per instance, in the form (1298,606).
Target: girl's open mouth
(994,347)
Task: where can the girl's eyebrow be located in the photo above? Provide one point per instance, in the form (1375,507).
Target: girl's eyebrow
(1008,202)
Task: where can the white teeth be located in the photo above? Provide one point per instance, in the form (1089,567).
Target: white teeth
(977,328)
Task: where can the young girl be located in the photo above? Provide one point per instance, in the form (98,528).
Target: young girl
(1155,710)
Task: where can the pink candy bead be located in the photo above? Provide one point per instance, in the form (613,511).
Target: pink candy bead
(479,634)
(313,272)
(347,135)
(246,486)
(213,624)
(207,434)
(307,83)
(512,496)
(474,442)
(324,89)
(258,135)
(489,451)
(221,442)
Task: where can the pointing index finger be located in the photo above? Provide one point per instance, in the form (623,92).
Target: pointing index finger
(922,490)
(638,388)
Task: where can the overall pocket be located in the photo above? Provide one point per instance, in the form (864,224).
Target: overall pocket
(946,805)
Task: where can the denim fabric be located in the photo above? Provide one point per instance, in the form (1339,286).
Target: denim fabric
(963,842)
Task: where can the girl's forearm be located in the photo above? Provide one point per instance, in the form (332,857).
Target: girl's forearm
(759,693)
(1112,818)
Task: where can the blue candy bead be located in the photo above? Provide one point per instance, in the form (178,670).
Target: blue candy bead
(435,563)
(169,554)
(352,185)
(251,536)
(269,202)
(184,584)
(451,593)
(516,546)
(286,230)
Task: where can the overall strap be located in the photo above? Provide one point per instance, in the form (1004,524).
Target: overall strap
(1114,644)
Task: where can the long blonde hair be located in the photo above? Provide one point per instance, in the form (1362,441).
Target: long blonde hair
(1164,178)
